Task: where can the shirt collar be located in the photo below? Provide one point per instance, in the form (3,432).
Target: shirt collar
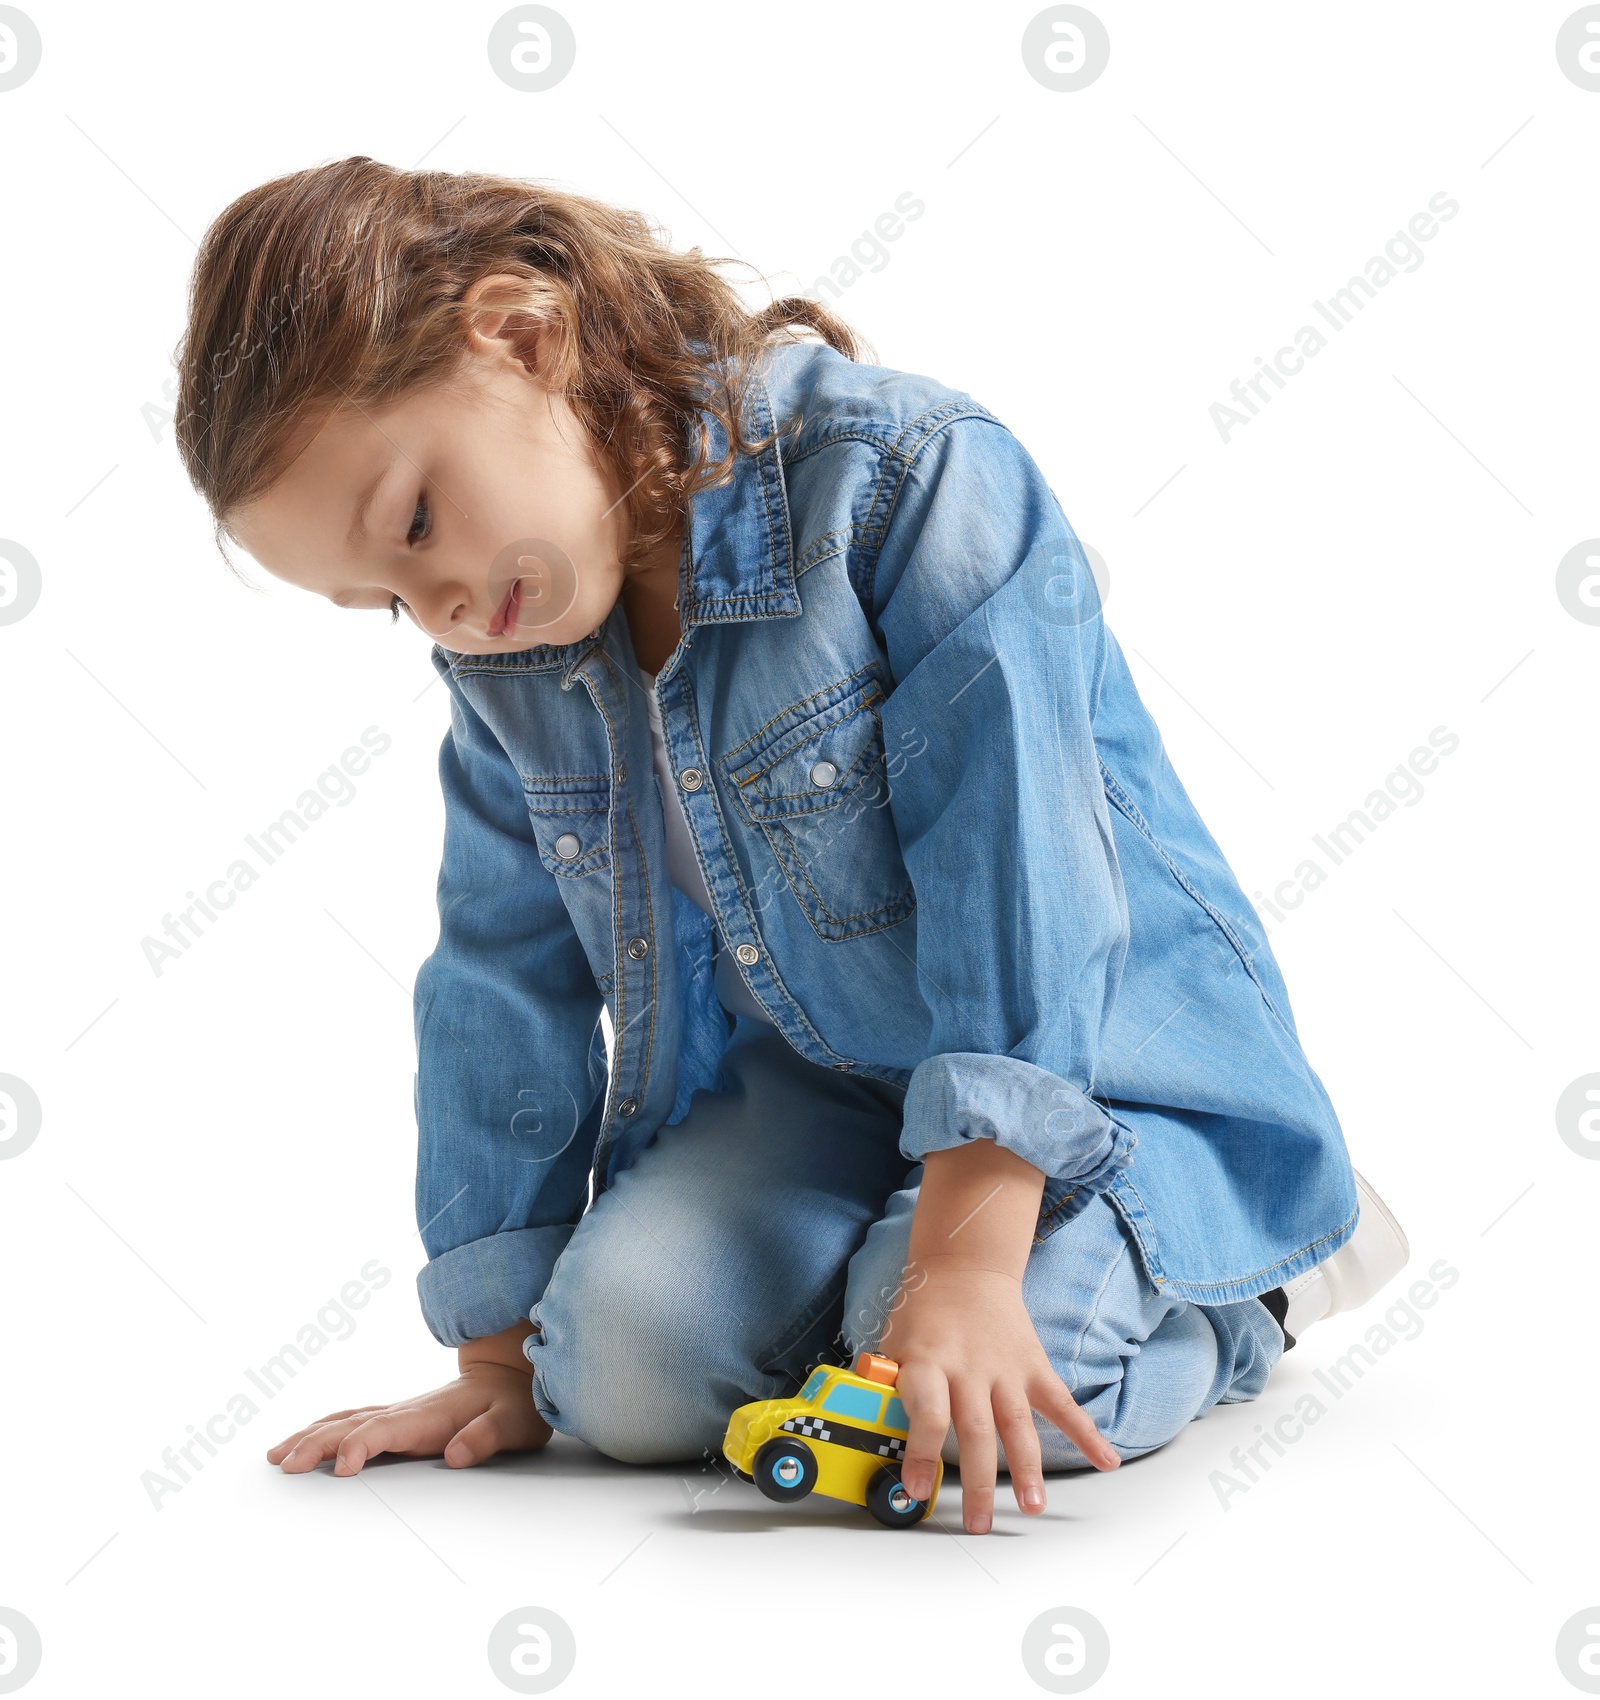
(738,559)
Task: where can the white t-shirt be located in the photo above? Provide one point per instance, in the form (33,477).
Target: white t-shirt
(683,868)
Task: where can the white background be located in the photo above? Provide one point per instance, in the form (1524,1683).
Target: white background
(225,1145)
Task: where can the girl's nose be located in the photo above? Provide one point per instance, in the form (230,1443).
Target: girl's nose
(441,611)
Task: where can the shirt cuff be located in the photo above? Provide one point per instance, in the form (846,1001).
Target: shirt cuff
(486,1285)
(959,1096)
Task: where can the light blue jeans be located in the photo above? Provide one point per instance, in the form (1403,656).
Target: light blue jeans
(767,1231)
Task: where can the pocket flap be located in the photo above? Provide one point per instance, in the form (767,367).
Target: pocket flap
(571,821)
(814,754)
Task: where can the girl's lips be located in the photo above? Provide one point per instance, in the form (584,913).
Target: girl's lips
(505,616)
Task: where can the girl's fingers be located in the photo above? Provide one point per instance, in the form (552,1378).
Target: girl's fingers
(974,1419)
(1050,1397)
(284,1447)
(1013,1418)
(480,1439)
(926,1396)
(390,1431)
(311,1448)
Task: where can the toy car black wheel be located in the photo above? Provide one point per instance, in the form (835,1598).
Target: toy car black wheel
(889,1502)
(785,1470)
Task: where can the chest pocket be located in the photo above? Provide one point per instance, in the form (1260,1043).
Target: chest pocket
(814,780)
(571,820)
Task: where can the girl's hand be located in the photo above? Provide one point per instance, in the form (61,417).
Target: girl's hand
(969,1353)
(487,1409)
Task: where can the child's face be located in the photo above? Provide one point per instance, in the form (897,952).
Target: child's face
(490,517)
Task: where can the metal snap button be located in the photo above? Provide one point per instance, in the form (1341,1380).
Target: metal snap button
(637,948)
(693,779)
(823,773)
(748,954)
(568,845)
(627,1106)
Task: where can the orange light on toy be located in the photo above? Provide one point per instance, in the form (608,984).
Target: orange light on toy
(871,1367)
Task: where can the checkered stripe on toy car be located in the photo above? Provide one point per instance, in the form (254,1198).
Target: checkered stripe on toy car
(815,1427)
(890,1446)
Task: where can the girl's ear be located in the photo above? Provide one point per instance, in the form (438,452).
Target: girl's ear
(505,330)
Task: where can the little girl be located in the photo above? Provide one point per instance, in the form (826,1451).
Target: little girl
(785,726)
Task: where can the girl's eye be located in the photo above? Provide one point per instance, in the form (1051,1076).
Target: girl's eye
(395,605)
(420,517)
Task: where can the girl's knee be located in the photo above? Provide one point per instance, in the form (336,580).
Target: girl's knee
(622,1362)
(1142,1393)
(1167,1381)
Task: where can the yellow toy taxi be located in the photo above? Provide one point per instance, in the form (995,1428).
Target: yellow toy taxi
(843,1435)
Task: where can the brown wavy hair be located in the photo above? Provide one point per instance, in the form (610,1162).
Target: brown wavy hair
(343,283)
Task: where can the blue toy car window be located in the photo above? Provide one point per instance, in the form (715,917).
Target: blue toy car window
(814,1383)
(894,1414)
(858,1402)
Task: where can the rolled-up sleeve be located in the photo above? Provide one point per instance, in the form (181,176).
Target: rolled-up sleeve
(984,602)
(510,1058)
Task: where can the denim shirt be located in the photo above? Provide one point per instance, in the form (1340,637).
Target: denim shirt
(945,846)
